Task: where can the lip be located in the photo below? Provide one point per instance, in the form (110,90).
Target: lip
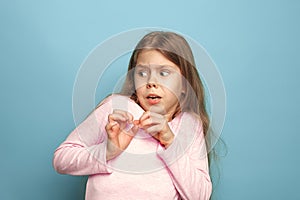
(153,99)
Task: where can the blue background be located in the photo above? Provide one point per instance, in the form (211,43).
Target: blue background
(255,45)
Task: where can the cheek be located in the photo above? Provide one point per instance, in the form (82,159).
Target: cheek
(139,92)
(174,86)
(138,83)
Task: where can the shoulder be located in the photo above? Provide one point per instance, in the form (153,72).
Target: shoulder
(113,99)
(110,98)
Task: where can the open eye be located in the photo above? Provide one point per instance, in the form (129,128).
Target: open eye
(142,73)
(164,72)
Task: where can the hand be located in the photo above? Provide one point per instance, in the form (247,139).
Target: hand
(118,137)
(157,125)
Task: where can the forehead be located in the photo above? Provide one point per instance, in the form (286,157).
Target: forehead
(153,57)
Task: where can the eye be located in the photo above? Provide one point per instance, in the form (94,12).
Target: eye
(164,72)
(142,73)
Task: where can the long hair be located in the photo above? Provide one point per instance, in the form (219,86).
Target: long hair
(176,49)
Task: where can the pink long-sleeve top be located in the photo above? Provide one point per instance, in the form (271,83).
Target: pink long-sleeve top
(145,170)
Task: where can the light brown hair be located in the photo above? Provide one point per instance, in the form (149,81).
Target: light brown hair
(176,49)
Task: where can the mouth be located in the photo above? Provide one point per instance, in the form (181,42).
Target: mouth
(152,96)
(153,99)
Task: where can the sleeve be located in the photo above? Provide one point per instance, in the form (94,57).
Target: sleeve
(84,150)
(187,163)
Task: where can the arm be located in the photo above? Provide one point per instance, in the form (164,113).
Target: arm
(187,163)
(84,151)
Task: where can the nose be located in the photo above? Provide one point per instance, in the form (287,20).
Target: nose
(152,82)
(150,85)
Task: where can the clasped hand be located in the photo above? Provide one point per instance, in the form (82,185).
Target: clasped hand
(119,137)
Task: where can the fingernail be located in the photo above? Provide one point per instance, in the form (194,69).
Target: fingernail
(114,123)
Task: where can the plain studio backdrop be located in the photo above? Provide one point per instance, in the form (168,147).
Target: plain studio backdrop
(255,45)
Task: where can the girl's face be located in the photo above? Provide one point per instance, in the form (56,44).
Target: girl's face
(158,83)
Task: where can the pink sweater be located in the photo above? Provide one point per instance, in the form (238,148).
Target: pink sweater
(145,170)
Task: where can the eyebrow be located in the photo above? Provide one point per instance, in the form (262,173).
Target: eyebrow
(156,66)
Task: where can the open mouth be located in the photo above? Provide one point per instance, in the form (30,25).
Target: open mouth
(153,97)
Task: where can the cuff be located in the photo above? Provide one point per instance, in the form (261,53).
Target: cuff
(98,152)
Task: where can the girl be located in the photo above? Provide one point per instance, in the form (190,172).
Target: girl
(148,142)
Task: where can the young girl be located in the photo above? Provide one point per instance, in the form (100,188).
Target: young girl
(148,142)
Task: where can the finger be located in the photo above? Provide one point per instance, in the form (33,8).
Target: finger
(145,116)
(146,119)
(128,126)
(123,118)
(128,116)
(136,122)
(153,130)
(109,125)
(125,138)
(116,117)
(153,119)
(112,128)
(155,135)
(148,122)
(132,132)
(135,128)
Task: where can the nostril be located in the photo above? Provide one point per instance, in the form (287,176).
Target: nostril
(150,85)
